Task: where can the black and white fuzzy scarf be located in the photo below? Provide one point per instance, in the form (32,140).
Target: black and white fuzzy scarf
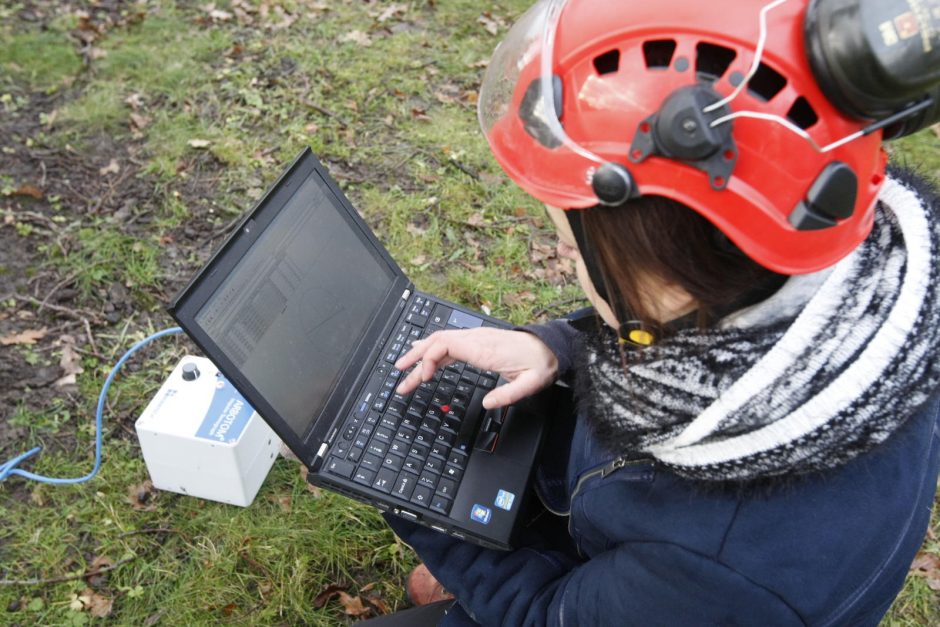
(824,370)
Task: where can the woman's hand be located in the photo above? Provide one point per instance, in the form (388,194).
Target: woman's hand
(520,357)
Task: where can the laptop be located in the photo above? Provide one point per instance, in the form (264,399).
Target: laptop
(305,312)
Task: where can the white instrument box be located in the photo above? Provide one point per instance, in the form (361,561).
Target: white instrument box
(200,437)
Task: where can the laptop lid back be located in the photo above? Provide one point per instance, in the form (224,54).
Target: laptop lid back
(293,303)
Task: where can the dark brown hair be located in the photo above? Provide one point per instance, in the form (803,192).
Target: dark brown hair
(662,238)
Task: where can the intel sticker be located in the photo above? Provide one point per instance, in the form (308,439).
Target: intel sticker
(504,500)
(481,514)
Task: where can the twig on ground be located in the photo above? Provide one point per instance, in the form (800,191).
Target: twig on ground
(144,531)
(55,288)
(323,110)
(466,170)
(84,575)
(91,338)
(558,303)
(77,314)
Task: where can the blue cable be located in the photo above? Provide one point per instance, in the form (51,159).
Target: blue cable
(9,468)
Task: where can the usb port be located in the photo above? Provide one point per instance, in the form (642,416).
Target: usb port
(458,535)
(404,513)
(438,528)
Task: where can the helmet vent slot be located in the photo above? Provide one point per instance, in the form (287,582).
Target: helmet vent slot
(711,61)
(607,63)
(658,53)
(802,113)
(766,83)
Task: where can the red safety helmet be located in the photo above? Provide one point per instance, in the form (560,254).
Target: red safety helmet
(711,104)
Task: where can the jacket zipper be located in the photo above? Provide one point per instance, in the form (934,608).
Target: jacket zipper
(603,471)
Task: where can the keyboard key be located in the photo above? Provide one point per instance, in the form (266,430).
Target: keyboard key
(424,438)
(457,459)
(405,435)
(440,314)
(450,424)
(440,450)
(355,454)
(431,424)
(422,496)
(447,487)
(377,448)
(404,486)
(486,383)
(393,462)
(413,465)
(469,378)
(428,479)
(384,480)
(463,389)
(446,438)
(371,462)
(341,448)
(450,376)
(384,434)
(389,421)
(364,477)
(452,472)
(433,465)
(418,450)
(440,504)
(398,447)
(340,467)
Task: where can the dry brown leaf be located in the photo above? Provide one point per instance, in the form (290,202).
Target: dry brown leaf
(491,23)
(415,230)
(352,605)
(379,604)
(420,114)
(927,565)
(476,219)
(326,594)
(139,122)
(30,336)
(29,190)
(516,299)
(70,362)
(357,37)
(134,101)
(418,260)
(139,496)
(113,167)
(392,10)
(936,129)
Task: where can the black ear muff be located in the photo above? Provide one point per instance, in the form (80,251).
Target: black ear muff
(876,58)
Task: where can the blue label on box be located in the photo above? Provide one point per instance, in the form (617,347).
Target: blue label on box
(227,416)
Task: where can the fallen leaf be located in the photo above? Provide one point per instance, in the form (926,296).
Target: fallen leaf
(418,261)
(352,605)
(479,64)
(379,604)
(218,15)
(936,129)
(476,219)
(420,114)
(489,24)
(357,37)
(326,594)
(95,579)
(112,168)
(199,143)
(134,101)
(30,336)
(415,230)
(517,299)
(70,362)
(390,12)
(139,496)
(927,565)
(139,121)
(29,190)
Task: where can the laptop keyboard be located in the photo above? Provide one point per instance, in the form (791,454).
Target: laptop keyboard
(415,447)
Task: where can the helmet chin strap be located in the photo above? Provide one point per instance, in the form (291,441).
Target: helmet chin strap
(575,220)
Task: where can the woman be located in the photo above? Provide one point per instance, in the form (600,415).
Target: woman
(756,439)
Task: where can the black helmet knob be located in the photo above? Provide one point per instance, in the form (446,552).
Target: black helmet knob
(612,184)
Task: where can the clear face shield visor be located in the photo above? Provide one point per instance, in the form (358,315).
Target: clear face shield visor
(520,107)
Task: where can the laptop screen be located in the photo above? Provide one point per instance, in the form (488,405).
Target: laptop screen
(292,310)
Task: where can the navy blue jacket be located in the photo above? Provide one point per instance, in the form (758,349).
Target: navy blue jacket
(645,547)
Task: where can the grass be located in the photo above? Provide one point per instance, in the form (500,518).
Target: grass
(388,102)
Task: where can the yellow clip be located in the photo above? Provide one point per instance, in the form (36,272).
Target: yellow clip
(638,337)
